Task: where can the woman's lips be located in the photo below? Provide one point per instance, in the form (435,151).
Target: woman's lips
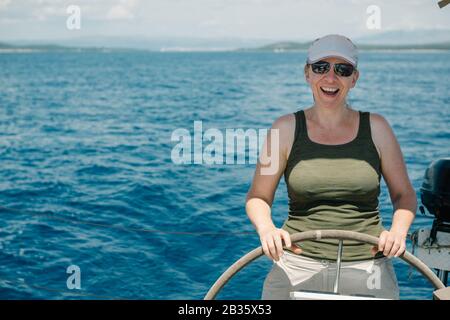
(329,91)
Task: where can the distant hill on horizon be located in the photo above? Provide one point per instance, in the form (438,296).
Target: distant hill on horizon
(438,39)
(405,37)
(284,46)
(7,47)
(432,39)
(301,46)
(140,43)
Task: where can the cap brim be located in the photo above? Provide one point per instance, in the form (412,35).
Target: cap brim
(332,54)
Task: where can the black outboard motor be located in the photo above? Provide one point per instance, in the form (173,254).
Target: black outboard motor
(435,196)
(435,190)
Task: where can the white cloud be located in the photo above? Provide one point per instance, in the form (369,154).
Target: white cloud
(119,12)
(123,10)
(4,4)
(48,10)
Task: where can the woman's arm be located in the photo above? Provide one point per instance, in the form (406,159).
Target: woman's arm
(401,191)
(269,169)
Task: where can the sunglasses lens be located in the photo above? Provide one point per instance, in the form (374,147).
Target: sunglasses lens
(320,67)
(343,69)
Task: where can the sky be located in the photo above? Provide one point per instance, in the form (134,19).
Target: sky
(250,19)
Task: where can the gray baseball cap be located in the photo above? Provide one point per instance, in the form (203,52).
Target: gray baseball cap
(333,45)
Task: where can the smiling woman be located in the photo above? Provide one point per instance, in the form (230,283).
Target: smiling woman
(332,158)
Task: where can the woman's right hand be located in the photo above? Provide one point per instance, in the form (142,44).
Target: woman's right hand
(271,241)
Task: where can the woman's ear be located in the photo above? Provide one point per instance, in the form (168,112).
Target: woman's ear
(306,71)
(355,78)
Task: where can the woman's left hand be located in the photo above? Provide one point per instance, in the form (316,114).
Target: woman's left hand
(391,243)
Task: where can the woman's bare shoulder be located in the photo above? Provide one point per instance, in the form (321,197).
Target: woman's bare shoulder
(382,133)
(286,126)
(378,124)
(284,122)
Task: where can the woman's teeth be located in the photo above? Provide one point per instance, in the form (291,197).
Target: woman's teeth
(329,91)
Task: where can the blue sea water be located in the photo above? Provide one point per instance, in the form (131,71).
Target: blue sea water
(86,175)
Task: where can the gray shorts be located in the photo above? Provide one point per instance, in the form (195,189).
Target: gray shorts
(374,278)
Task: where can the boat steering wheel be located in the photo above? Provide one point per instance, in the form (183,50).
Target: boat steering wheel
(318,235)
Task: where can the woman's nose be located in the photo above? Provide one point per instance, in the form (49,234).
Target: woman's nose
(330,75)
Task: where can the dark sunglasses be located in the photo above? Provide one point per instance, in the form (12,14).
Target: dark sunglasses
(341,69)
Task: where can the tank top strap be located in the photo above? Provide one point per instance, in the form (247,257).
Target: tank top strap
(300,125)
(364,125)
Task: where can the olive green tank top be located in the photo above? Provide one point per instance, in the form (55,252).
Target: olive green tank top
(334,187)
